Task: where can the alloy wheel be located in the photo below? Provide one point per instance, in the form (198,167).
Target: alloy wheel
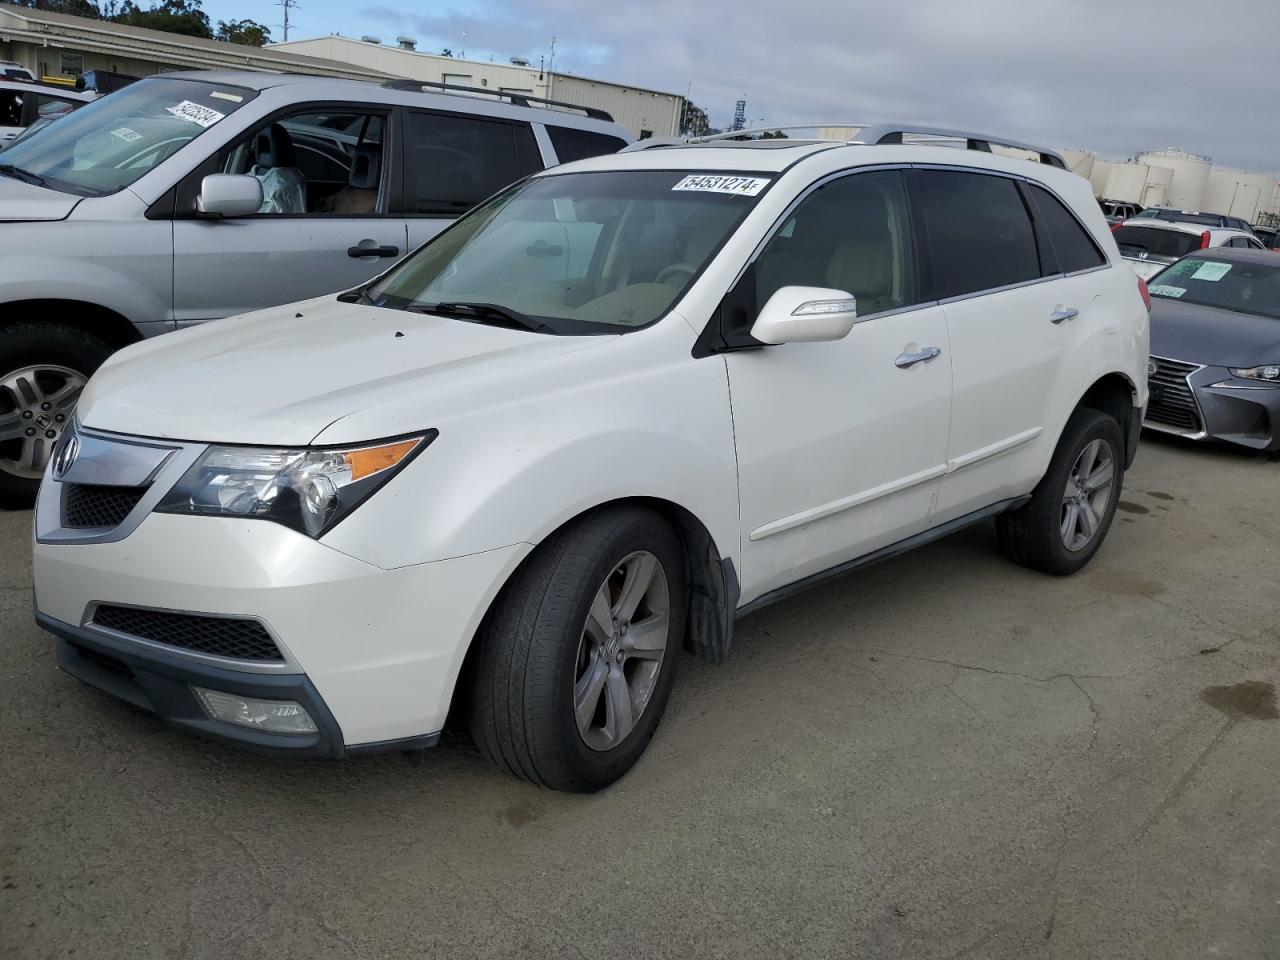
(1087,495)
(621,650)
(35,408)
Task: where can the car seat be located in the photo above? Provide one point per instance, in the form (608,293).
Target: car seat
(360,195)
(284,188)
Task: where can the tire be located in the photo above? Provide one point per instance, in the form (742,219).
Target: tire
(1036,535)
(43,366)
(539,657)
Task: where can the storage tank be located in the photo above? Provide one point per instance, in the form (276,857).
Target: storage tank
(1080,162)
(1098,176)
(1238,193)
(1125,182)
(1156,191)
(1190,175)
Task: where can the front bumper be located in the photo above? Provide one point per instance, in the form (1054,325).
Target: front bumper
(372,654)
(1231,410)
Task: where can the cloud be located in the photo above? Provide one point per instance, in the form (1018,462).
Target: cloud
(1116,76)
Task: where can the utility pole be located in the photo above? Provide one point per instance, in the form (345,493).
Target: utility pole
(551,62)
(287,4)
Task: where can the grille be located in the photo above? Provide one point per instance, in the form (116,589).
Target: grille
(1172,403)
(232,637)
(86,505)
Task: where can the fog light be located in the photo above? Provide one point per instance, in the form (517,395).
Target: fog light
(272,716)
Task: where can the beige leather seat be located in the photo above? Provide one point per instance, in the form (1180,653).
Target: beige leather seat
(863,266)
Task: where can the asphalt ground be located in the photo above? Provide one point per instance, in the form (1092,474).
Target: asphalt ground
(940,756)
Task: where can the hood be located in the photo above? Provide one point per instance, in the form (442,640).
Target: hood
(281,376)
(1214,337)
(27,202)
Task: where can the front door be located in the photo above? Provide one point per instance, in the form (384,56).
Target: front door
(840,445)
(322,226)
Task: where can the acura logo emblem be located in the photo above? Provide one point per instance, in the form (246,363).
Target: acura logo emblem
(66,457)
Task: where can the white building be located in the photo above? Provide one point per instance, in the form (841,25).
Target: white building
(646,113)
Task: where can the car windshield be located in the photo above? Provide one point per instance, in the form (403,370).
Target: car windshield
(1242,286)
(106,145)
(576,252)
(1155,241)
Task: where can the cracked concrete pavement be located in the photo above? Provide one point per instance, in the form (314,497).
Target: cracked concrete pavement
(942,756)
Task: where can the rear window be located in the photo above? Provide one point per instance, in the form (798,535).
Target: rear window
(571,144)
(1204,219)
(1154,242)
(979,232)
(1071,242)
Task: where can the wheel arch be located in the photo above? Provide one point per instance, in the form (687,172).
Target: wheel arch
(92,318)
(1116,395)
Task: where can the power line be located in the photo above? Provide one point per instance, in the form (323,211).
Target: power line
(287,4)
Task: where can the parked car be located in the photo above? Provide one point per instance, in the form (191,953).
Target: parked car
(190,196)
(1215,348)
(1151,245)
(1196,217)
(11,70)
(1268,235)
(583,428)
(1117,210)
(23,103)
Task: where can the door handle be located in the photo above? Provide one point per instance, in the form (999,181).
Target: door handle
(924,355)
(1063,313)
(370,248)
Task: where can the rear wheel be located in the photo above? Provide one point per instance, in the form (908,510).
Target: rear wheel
(576,660)
(1072,507)
(43,368)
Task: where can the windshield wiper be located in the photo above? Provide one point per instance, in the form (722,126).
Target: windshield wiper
(9,170)
(485,311)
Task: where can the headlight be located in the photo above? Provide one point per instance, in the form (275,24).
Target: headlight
(309,490)
(1269,372)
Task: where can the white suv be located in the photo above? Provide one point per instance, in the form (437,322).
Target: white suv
(613,408)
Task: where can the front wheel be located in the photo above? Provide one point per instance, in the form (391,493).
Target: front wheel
(1060,529)
(576,659)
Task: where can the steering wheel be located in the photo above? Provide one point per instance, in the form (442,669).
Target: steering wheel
(676,268)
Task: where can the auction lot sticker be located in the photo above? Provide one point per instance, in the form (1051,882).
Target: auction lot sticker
(715,183)
(196,113)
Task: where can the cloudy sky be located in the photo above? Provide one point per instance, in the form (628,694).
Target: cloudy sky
(1116,76)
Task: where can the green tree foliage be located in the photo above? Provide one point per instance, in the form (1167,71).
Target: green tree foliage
(249,32)
(172,16)
(77,8)
(693,120)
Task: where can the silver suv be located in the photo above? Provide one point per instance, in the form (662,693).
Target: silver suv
(191,196)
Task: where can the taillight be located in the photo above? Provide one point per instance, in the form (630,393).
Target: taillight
(1146,294)
(1117,225)
(1204,240)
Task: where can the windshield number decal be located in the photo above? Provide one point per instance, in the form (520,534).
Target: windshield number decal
(196,113)
(234,98)
(1212,272)
(738,186)
(125,134)
(1164,290)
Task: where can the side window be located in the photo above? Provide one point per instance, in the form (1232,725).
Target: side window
(453,161)
(851,234)
(1071,242)
(979,232)
(321,162)
(571,144)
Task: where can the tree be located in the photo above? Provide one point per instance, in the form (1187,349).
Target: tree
(77,8)
(248,32)
(693,120)
(173,16)
(446,52)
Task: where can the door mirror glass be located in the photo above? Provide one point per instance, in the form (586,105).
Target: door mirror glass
(229,195)
(804,314)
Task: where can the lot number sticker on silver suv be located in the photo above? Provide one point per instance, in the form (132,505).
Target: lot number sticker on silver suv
(196,113)
(741,186)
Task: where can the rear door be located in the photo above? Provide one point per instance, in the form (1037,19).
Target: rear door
(325,224)
(452,161)
(1017,328)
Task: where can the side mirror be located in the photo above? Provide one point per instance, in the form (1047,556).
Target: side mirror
(229,195)
(803,314)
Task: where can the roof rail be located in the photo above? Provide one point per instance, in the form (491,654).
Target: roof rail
(877,133)
(516,99)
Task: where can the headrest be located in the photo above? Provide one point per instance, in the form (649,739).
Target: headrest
(366,167)
(273,147)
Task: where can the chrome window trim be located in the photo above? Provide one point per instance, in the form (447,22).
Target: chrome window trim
(287,666)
